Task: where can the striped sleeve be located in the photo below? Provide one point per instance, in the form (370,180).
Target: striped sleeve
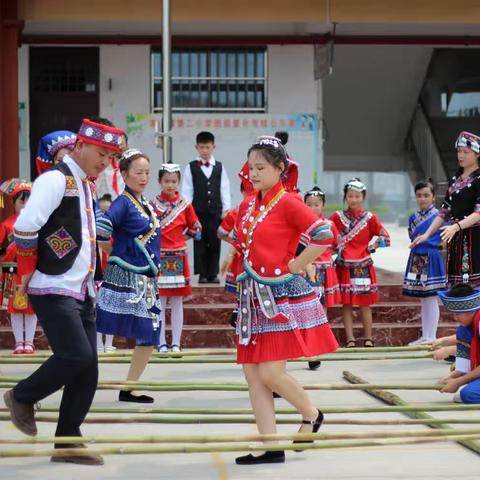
(104,226)
(320,233)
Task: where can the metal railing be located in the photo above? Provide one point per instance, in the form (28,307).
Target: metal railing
(426,148)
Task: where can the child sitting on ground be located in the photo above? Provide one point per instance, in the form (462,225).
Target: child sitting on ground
(464,302)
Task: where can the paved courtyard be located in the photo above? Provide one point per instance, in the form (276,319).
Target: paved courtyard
(429,461)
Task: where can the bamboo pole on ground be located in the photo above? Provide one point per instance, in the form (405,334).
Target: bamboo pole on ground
(208,448)
(232,351)
(239,387)
(27,360)
(233,419)
(304,437)
(392,399)
(280,411)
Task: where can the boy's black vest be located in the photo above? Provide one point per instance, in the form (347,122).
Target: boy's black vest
(206,191)
(60,239)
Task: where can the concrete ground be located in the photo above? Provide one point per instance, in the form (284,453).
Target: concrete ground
(429,461)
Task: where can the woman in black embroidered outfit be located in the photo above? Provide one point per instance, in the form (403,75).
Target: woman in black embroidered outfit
(461,208)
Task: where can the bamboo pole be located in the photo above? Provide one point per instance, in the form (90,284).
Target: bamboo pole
(232,351)
(280,411)
(233,419)
(208,448)
(239,387)
(192,360)
(392,399)
(304,437)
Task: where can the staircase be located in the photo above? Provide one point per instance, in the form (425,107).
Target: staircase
(396,319)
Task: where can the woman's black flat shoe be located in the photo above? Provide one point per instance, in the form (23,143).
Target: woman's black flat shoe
(126,396)
(267,457)
(314,365)
(316,424)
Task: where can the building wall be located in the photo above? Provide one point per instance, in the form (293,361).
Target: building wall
(128,68)
(125,83)
(339,11)
(369,103)
(291,86)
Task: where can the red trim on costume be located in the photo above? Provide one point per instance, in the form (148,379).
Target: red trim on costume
(115,177)
(475,346)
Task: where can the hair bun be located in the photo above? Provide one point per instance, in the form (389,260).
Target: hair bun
(282,136)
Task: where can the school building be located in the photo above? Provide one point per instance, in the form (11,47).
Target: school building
(371,87)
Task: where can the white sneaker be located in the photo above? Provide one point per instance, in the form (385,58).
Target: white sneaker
(110,349)
(417,342)
(176,349)
(163,348)
(100,349)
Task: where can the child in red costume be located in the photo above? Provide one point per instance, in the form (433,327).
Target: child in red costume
(326,279)
(358,282)
(178,222)
(22,316)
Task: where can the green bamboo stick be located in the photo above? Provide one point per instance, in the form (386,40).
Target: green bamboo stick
(233,419)
(178,360)
(392,399)
(232,351)
(208,448)
(281,411)
(214,387)
(306,437)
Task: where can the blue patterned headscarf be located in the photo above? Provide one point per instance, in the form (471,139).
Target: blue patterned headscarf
(50,144)
(470,303)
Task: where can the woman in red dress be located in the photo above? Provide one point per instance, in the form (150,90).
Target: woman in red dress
(178,222)
(355,270)
(280,316)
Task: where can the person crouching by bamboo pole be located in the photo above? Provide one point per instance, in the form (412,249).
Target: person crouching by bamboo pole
(128,301)
(464,302)
(280,316)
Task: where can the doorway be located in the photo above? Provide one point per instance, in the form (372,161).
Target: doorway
(64,88)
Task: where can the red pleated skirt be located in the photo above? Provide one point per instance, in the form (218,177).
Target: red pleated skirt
(305,333)
(355,294)
(330,288)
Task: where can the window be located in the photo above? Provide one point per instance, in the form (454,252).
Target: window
(213,80)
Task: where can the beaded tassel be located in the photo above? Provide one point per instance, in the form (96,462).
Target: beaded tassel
(465,260)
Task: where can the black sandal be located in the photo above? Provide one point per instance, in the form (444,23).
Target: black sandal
(368,343)
(316,424)
(351,344)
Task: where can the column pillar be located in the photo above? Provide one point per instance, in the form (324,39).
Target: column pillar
(10,28)
(9,122)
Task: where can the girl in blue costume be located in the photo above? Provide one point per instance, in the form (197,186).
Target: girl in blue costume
(425,273)
(128,302)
